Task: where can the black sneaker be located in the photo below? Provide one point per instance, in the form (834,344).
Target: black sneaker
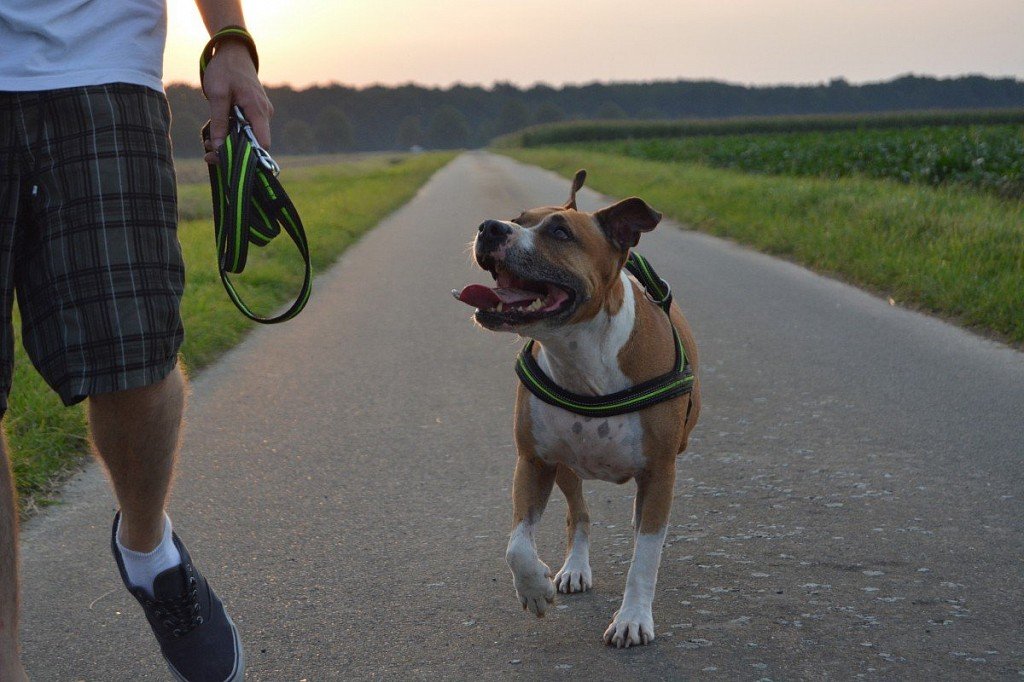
(196,635)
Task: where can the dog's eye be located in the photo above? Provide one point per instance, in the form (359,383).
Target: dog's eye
(560,233)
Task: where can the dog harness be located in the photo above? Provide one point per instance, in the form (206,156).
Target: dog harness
(249,204)
(674,383)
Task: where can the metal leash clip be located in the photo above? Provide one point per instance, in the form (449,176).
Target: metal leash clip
(638,266)
(663,299)
(264,157)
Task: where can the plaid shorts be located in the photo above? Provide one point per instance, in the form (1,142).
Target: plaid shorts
(88,238)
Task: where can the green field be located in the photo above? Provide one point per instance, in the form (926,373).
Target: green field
(339,199)
(598,131)
(989,158)
(950,250)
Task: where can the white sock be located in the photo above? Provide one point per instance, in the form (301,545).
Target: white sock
(143,567)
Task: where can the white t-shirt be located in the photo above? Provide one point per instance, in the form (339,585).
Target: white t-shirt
(49,44)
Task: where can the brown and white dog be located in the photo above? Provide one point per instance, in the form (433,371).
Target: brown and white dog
(560,281)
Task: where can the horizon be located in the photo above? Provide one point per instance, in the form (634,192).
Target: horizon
(750,43)
(581,84)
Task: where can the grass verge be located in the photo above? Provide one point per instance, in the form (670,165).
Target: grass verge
(946,250)
(339,202)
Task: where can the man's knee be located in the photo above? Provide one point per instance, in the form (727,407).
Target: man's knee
(167,393)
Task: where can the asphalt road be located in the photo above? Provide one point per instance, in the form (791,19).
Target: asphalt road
(851,504)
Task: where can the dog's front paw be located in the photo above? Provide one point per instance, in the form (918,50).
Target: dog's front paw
(574,576)
(534,588)
(631,626)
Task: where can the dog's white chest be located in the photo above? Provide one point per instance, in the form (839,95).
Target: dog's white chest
(608,449)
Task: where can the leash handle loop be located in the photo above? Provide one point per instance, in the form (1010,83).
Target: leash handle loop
(227,33)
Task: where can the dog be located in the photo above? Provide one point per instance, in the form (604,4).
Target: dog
(595,331)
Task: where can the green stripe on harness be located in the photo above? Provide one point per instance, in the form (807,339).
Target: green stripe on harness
(674,383)
(251,207)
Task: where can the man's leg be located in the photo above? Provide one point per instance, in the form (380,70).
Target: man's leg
(99,289)
(10,663)
(135,433)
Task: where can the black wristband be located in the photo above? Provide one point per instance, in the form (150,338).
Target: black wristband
(232,32)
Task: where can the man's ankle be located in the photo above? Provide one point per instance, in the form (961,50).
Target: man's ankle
(141,537)
(142,568)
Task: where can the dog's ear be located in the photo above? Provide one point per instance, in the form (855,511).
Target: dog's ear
(624,222)
(577,184)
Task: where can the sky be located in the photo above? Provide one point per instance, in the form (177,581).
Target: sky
(480,42)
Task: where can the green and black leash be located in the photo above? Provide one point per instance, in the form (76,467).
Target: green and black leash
(674,383)
(250,206)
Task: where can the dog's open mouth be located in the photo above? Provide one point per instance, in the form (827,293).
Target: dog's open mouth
(515,300)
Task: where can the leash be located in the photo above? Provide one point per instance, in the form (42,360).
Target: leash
(250,206)
(674,383)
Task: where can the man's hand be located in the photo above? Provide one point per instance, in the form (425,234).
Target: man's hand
(231,80)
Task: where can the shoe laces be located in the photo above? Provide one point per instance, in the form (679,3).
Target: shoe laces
(180,615)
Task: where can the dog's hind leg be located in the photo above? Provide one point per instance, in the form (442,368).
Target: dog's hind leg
(633,623)
(574,576)
(530,491)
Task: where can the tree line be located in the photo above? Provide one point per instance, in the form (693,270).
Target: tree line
(337,118)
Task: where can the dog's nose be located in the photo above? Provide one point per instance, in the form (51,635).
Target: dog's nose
(493,230)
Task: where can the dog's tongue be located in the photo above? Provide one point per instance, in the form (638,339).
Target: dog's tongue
(485,298)
(479,296)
